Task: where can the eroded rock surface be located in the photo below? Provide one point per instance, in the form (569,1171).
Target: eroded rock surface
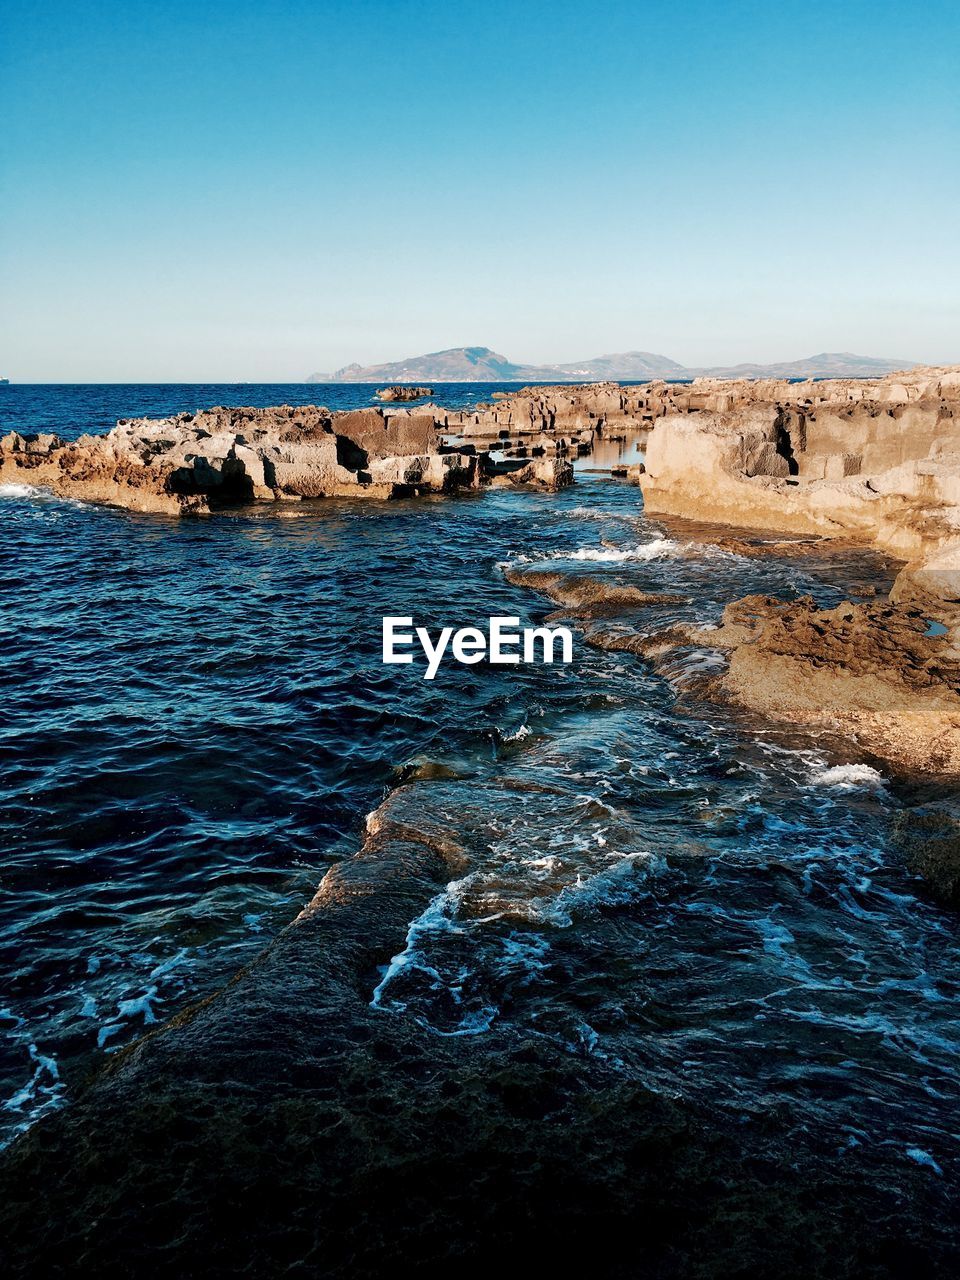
(871,672)
(196,462)
(586,595)
(867,670)
(877,460)
(868,461)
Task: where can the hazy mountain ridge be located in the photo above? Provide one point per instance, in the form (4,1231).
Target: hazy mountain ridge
(481,364)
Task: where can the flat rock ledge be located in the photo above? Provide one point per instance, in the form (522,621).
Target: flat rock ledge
(195,463)
(867,671)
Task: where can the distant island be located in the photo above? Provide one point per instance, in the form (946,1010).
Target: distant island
(481,364)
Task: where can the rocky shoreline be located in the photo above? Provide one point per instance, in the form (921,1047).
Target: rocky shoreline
(288,1123)
(193,464)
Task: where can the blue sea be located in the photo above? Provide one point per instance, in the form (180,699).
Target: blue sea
(196,721)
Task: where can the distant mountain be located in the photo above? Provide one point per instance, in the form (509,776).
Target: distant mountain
(641,365)
(480,364)
(829,364)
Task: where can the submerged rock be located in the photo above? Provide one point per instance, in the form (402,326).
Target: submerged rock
(586,594)
(930,842)
(293,1124)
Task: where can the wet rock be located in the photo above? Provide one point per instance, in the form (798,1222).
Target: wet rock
(869,671)
(290,1125)
(930,842)
(425,770)
(650,645)
(589,595)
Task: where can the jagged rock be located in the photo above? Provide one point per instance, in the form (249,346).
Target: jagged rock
(194,462)
(871,672)
(387,394)
(544,473)
(875,460)
(43,443)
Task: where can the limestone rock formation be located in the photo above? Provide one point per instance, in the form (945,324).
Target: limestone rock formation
(197,462)
(561,421)
(878,461)
(872,673)
(542,473)
(869,671)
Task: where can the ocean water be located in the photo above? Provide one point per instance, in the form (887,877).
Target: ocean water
(69,410)
(195,722)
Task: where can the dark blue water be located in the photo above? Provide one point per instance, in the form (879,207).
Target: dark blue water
(195,721)
(69,410)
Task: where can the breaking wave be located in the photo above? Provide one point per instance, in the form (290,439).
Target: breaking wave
(850,777)
(13,490)
(657,549)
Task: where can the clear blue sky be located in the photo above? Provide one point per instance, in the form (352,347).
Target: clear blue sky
(247,190)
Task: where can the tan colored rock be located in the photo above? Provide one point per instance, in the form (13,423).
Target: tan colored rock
(389,394)
(544,473)
(587,595)
(192,463)
(869,671)
(876,461)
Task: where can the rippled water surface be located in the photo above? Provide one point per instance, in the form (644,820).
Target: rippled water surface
(196,720)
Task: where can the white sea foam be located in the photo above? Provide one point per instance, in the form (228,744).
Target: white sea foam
(518,735)
(49,501)
(523,956)
(594,513)
(656,549)
(919,1156)
(849,777)
(614,884)
(18,491)
(42,1093)
(437,917)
